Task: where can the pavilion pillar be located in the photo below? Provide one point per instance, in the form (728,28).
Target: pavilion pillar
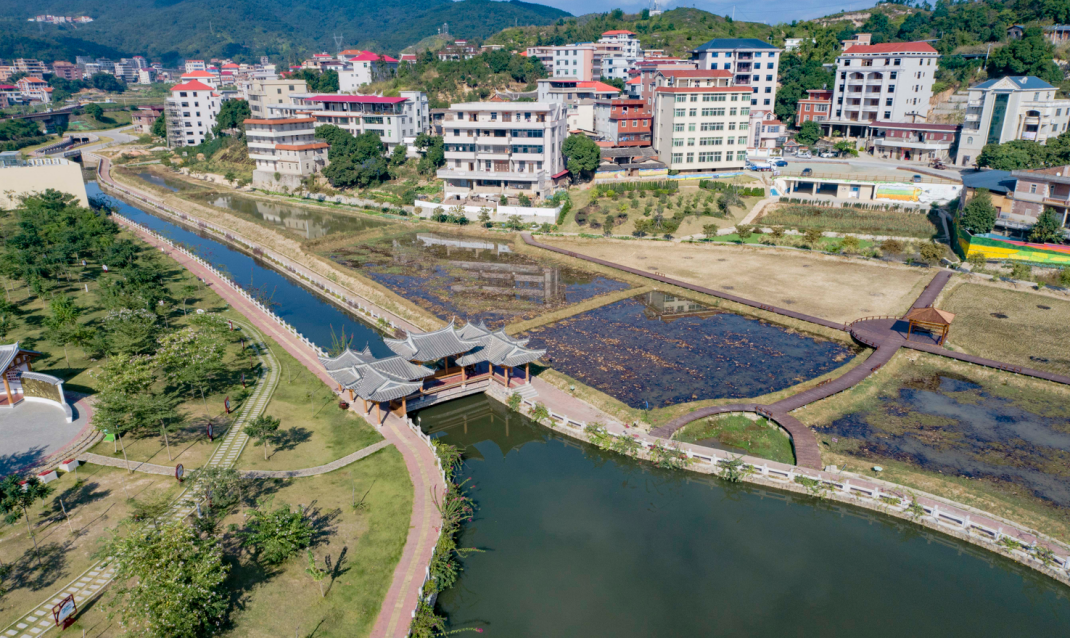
(378,413)
(507,369)
(351,395)
(7,389)
(404,407)
(364,405)
(527,373)
(464,379)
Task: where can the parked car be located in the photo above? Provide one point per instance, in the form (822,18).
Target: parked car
(829,154)
(937,164)
(759,166)
(779,162)
(917,179)
(807,172)
(804,155)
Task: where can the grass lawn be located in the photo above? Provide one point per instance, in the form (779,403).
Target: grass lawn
(364,544)
(1018,327)
(852,220)
(314,431)
(738,433)
(870,398)
(96,505)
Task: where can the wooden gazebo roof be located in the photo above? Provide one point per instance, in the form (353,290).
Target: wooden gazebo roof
(930,316)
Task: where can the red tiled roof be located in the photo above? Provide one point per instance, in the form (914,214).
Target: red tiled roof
(301,147)
(562,173)
(198,74)
(8,87)
(524,53)
(359,99)
(192,85)
(635,80)
(601,87)
(368,56)
(618,32)
(408,56)
(231,66)
(892,47)
(697,73)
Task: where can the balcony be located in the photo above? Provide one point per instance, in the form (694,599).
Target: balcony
(452,173)
(973,117)
(1029,135)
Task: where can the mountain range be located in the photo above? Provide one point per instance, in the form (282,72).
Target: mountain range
(285,30)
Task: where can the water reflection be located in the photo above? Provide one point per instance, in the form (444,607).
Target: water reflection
(658,349)
(298,220)
(578,542)
(173,185)
(471,277)
(954,426)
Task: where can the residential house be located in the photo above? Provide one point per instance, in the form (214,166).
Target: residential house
(1038,189)
(912,142)
(624,122)
(32,67)
(396,120)
(191,113)
(260,93)
(35,89)
(286,151)
(145,117)
(752,62)
(66,70)
(1056,33)
(1010,108)
(815,107)
(195,65)
(699,129)
(364,69)
(495,149)
(204,77)
(579,98)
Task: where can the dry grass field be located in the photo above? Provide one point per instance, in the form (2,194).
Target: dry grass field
(1018,327)
(828,287)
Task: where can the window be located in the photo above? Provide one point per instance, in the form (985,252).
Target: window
(690,141)
(887,115)
(731,126)
(969,140)
(765,102)
(768,78)
(679,112)
(677,158)
(716,141)
(895,74)
(728,66)
(721,98)
(705,157)
(743,126)
(756,78)
(891,88)
(708,97)
(714,54)
(754,90)
(691,127)
(692,112)
(1033,188)
(730,141)
(713,126)
(719,112)
(678,141)
(897,61)
(678,127)
(681,98)
(744,110)
(690,157)
(707,112)
(694,97)
(888,102)
(1058,112)
(735,97)
(731,111)
(182,94)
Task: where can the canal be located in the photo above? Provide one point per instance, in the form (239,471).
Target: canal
(580,542)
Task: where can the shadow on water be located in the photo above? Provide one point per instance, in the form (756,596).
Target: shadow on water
(952,425)
(173,185)
(303,222)
(310,315)
(581,542)
(472,278)
(660,350)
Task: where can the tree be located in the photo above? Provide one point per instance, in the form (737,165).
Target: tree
(1031,55)
(61,326)
(617,82)
(484,218)
(845,146)
(979,216)
(159,127)
(263,429)
(432,151)
(317,574)
(1013,155)
(582,153)
(151,508)
(94,111)
(169,583)
(809,133)
(710,230)
(107,82)
(1048,229)
(931,252)
(125,401)
(17,496)
(193,356)
(400,155)
(275,536)
(232,116)
(220,489)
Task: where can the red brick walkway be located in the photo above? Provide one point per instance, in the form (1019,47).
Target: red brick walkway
(396,611)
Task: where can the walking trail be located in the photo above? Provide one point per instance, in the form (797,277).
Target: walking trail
(424,523)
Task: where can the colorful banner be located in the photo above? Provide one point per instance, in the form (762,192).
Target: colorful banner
(897,192)
(996,247)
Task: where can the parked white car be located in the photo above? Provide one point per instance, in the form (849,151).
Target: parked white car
(829,154)
(804,155)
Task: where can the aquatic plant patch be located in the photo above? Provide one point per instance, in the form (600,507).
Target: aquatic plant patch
(953,425)
(471,278)
(657,350)
(802,217)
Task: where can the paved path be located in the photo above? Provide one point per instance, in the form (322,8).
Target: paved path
(424,523)
(92,582)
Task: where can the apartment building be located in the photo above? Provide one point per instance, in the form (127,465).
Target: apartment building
(396,120)
(32,67)
(691,77)
(496,148)
(753,64)
(66,70)
(1010,108)
(616,53)
(144,118)
(204,77)
(579,98)
(624,122)
(191,113)
(882,83)
(815,107)
(195,65)
(641,85)
(907,142)
(574,61)
(626,40)
(365,69)
(285,150)
(702,128)
(262,92)
(35,89)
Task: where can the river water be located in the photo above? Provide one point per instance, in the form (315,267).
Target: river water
(579,542)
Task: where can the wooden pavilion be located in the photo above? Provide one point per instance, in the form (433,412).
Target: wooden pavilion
(13,362)
(431,366)
(931,320)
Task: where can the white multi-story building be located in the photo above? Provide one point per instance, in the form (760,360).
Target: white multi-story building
(616,54)
(496,148)
(881,83)
(195,65)
(753,64)
(1010,108)
(191,113)
(365,68)
(285,150)
(579,98)
(204,77)
(702,128)
(263,92)
(574,61)
(396,120)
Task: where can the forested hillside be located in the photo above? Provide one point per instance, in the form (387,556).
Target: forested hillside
(246,29)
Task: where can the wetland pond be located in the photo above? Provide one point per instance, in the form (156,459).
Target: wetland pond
(950,424)
(471,278)
(577,542)
(656,349)
(173,185)
(301,221)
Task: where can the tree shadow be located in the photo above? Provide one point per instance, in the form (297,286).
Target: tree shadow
(290,438)
(11,463)
(77,495)
(41,570)
(323,523)
(257,490)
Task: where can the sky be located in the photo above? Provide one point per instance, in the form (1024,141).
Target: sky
(767,11)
